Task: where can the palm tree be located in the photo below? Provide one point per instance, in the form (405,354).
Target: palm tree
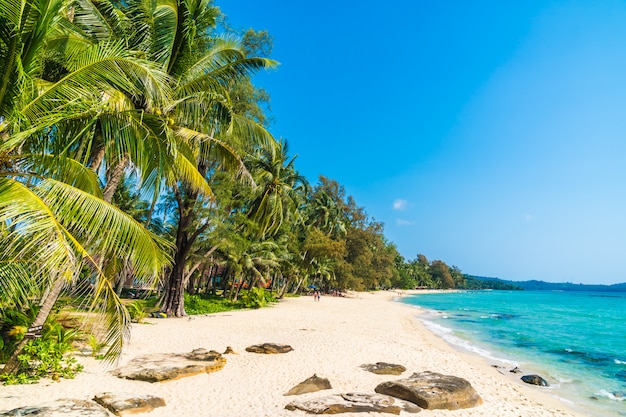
(52,216)
(52,229)
(201,117)
(325,214)
(175,142)
(282,190)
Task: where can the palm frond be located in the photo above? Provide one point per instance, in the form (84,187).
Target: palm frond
(113,316)
(87,217)
(62,168)
(227,156)
(99,72)
(16,282)
(165,24)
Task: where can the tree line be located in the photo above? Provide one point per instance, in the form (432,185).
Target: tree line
(135,151)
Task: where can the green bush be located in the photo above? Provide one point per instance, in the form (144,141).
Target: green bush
(207,304)
(13,325)
(137,311)
(41,357)
(256,298)
(96,346)
(44,358)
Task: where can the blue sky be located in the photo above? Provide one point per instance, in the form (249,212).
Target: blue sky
(488,134)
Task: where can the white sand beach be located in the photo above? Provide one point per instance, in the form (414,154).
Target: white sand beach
(331,338)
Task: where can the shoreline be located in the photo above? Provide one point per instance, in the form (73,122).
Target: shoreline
(501,365)
(331,338)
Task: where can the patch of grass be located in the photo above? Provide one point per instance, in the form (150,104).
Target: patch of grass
(207,304)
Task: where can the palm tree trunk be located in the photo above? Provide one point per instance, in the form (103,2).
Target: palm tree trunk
(113,180)
(9,69)
(13,365)
(97,159)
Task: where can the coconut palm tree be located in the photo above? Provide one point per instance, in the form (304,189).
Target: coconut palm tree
(52,217)
(172,143)
(201,117)
(52,230)
(282,189)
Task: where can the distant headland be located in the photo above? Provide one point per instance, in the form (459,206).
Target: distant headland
(478,282)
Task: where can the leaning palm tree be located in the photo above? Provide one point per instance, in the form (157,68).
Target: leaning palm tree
(52,217)
(52,230)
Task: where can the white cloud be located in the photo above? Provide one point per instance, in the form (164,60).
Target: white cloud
(402,222)
(400,204)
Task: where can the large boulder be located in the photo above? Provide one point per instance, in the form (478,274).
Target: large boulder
(431,390)
(60,408)
(122,403)
(167,366)
(269,348)
(351,403)
(384,368)
(535,380)
(312,384)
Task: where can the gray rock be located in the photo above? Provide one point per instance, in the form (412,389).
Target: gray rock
(384,368)
(123,403)
(535,380)
(351,403)
(202,354)
(269,348)
(312,384)
(167,366)
(431,390)
(64,407)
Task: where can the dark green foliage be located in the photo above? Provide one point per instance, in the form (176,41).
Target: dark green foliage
(13,325)
(475,283)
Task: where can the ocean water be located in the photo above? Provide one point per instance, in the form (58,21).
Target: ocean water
(574,340)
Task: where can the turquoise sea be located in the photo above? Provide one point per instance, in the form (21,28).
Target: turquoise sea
(575,340)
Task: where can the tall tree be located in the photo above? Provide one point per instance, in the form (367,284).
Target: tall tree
(204,69)
(281,189)
(51,209)
(441,274)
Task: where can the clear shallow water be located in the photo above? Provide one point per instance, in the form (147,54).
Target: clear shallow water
(575,340)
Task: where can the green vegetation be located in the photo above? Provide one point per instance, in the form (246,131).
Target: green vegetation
(196,304)
(476,283)
(135,159)
(43,356)
(207,304)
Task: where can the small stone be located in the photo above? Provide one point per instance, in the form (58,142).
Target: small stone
(269,348)
(535,380)
(123,403)
(312,384)
(384,368)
